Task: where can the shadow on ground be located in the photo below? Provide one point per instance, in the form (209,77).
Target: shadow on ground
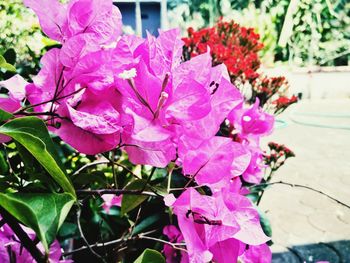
(333,252)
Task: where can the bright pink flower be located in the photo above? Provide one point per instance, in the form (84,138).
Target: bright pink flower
(256,254)
(87,63)
(216,159)
(225,251)
(63,21)
(111,200)
(224,98)
(52,17)
(16,93)
(49,83)
(255,170)
(252,122)
(12,101)
(171,254)
(9,242)
(207,221)
(246,216)
(160,98)
(92,124)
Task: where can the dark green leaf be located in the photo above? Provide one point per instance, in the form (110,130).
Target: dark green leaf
(150,255)
(144,224)
(83,179)
(4,115)
(265,224)
(10,56)
(32,133)
(44,213)
(3,164)
(68,230)
(129,202)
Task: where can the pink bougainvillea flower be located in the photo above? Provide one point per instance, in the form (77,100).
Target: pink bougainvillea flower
(92,124)
(160,101)
(246,216)
(225,251)
(63,21)
(216,159)
(256,254)
(52,16)
(16,93)
(111,200)
(87,63)
(203,221)
(9,242)
(149,143)
(209,223)
(12,101)
(171,254)
(48,83)
(255,170)
(252,121)
(224,98)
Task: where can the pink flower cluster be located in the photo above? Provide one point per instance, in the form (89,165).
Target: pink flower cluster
(11,250)
(103,90)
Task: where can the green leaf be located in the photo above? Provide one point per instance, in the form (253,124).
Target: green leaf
(4,115)
(265,224)
(31,133)
(68,230)
(144,224)
(129,202)
(3,164)
(5,65)
(10,56)
(44,213)
(150,255)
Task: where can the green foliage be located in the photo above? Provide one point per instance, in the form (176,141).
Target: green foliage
(19,28)
(31,133)
(6,66)
(130,202)
(150,255)
(4,115)
(44,213)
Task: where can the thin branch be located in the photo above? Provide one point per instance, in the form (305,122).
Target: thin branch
(47,101)
(114,191)
(109,243)
(89,165)
(309,188)
(23,237)
(149,179)
(113,171)
(174,245)
(84,239)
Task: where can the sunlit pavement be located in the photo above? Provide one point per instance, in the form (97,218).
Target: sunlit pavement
(306,223)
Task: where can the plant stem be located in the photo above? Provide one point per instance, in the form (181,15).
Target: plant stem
(113,170)
(309,188)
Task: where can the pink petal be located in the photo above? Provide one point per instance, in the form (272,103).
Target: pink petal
(225,251)
(52,17)
(257,254)
(85,141)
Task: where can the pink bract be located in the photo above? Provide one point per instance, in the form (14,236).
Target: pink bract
(207,221)
(63,21)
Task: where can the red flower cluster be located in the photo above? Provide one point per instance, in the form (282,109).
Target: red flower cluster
(235,46)
(284,102)
(279,153)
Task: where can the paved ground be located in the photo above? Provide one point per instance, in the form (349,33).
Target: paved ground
(302,219)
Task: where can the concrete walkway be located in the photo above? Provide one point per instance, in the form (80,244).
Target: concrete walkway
(305,223)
